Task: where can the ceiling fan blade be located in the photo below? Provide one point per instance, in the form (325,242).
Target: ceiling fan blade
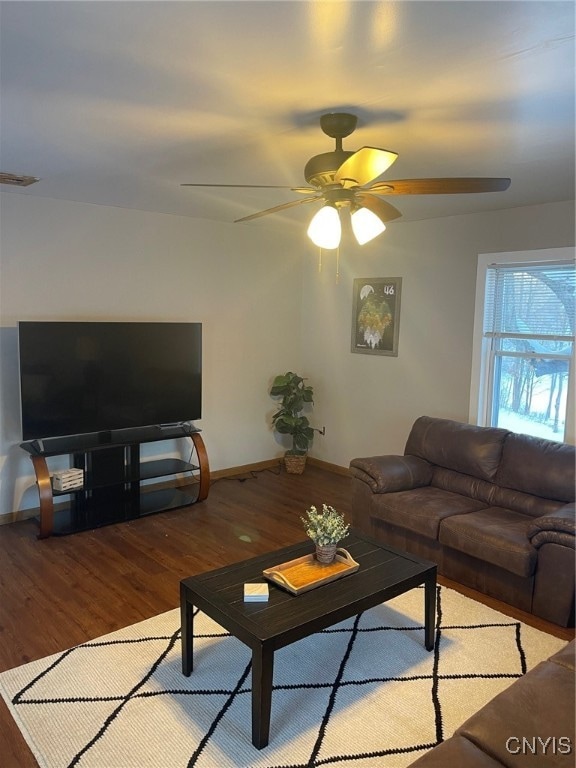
(304,190)
(438,186)
(385,211)
(277,208)
(364,166)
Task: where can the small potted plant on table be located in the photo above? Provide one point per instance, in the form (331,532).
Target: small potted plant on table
(326,529)
(288,419)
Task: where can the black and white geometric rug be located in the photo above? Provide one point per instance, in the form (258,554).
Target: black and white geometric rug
(362,694)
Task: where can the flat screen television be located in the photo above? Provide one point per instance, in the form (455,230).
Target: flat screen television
(86,377)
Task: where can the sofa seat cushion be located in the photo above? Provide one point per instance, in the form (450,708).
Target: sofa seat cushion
(496,535)
(421,509)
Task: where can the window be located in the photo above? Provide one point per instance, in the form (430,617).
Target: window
(526,347)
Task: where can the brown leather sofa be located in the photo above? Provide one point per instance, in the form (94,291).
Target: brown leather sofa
(531,723)
(494,510)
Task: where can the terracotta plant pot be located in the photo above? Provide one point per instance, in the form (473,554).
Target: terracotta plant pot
(327,553)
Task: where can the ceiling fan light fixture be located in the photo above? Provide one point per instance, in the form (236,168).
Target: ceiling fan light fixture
(325,229)
(366,225)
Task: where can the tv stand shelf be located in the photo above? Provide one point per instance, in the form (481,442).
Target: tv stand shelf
(113,488)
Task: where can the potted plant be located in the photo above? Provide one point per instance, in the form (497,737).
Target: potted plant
(288,419)
(326,529)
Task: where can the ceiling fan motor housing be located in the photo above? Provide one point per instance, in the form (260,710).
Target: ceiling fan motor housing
(320,169)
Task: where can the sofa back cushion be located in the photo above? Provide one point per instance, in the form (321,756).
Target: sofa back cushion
(465,485)
(538,467)
(466,448)
(491,494)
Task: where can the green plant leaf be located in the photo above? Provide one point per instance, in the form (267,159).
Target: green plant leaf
(326,527)
(295,396)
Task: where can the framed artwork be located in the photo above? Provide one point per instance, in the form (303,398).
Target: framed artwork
(376,315)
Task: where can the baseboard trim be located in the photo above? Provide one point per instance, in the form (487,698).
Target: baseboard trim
(244,468)
(259,466)
(18,516)
(336,468)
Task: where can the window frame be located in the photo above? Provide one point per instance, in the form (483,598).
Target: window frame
(481,383)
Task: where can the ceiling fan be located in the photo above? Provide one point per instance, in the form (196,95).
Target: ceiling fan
(342,178)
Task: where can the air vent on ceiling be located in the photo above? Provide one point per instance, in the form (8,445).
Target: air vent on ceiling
(17,181)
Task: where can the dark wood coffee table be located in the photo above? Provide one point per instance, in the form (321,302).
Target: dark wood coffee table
(265,627)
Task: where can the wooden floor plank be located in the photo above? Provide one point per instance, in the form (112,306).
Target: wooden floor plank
(62,591)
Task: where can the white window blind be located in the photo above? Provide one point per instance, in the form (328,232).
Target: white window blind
(531,301)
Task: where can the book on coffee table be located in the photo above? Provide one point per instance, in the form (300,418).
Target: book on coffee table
(255,593)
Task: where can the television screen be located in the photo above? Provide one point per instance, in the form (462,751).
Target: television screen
(83,377)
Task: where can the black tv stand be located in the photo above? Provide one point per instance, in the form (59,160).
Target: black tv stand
(114,489)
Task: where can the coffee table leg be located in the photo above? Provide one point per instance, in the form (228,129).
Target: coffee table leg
(430,613)
(187,629)
(262,674)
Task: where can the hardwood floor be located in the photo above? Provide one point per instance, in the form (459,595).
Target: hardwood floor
(63,591)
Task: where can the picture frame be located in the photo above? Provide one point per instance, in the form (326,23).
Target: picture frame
(376,315)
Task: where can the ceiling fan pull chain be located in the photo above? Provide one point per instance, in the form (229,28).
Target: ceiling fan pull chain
(337,265)
(319,260)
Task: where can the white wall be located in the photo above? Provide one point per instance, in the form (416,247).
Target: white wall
(368,403)
(69,261)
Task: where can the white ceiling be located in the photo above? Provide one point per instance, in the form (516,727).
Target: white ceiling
(118,103)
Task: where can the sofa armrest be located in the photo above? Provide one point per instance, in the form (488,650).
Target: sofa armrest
(387,474)
(559,527)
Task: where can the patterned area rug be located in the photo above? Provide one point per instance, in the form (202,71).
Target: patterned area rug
(364,693)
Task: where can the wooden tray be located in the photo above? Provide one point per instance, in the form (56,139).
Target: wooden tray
(305,573)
